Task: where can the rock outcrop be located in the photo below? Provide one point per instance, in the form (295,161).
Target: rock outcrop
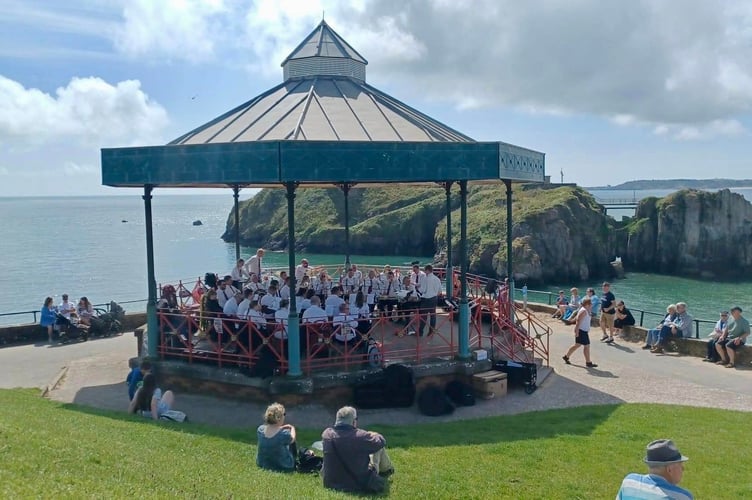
(560,233)
(692,233)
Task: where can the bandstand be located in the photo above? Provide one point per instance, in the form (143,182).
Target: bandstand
(323,126)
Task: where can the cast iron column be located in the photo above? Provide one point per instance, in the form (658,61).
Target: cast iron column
(464,340)
(236,195)
(449,273)
(151,301)
(510,275)
(346,190)
(293,322)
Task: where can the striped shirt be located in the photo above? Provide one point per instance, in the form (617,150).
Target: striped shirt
(650,487)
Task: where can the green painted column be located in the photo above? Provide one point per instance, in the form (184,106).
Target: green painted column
(293,322)
(464,339)
(346,191)
(449,281)
(151,301)
(236,196)
(510,274)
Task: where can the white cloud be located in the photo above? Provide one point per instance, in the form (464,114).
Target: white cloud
(175,29)
(88,110)
(72,169)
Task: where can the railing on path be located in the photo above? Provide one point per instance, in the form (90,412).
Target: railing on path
(549,298)
(35,313)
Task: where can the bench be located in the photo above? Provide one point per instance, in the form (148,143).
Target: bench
(688,347)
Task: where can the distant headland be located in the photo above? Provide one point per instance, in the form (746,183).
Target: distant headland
(677,184)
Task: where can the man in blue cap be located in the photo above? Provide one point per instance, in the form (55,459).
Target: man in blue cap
(666,469)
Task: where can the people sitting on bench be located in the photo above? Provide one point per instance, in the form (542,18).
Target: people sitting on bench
(680,327)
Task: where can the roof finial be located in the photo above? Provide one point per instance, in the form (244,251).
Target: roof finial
(323,15)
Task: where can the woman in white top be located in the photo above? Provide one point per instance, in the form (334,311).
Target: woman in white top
(582,334)
(363,311)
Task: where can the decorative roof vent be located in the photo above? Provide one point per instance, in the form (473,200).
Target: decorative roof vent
(324,53)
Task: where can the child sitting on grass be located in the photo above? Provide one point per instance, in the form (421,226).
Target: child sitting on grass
(135,377)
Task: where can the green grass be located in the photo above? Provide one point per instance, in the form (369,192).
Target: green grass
(51,450)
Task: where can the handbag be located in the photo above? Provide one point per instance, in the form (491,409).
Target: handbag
(373,484)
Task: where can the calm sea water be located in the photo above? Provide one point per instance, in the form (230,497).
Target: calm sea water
(80,246)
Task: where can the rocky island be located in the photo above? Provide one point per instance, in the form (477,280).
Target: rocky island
(560,233)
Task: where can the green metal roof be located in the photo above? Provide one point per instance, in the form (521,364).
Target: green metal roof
(319,127)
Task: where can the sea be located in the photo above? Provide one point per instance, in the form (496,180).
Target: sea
(95,246)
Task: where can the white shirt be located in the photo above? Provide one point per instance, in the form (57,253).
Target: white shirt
(363,312)
(253,266)
(300,271)
(224,295)
(315,314)
(281,316)
(231,307)
(243,308)
(270,301)
(305,304)
(284,292)
(238,274)
(417,280)
(322,287)
(332,304)
(257,318)
(345,325)
(430,287)
(350,284)
(371,289)
(66,308)
(389,288)
(255,286)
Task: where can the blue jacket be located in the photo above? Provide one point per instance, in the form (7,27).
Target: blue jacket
(48,316)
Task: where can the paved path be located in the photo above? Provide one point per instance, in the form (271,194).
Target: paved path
(95,373)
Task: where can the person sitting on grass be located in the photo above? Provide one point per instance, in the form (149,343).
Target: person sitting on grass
(622,318)
(666,469)
(733,337)
(680,327)
(276,441)
(712,355)
(561,305)
(354,460)
(149,401)
(572,307)
(651,339)
(135,377)
(581,334)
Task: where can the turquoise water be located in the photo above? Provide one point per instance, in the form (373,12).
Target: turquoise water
(80,246)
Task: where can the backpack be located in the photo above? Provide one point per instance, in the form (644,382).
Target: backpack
(399,385)
(460,393)
(434,402)
(307,462)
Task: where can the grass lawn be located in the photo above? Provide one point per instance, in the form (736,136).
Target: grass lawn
(50,450)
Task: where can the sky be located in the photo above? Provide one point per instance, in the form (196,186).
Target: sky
(610,90)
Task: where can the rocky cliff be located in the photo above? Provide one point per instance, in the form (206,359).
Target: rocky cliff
(559,233)
(692,233)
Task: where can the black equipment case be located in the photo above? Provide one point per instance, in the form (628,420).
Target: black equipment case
(519,373)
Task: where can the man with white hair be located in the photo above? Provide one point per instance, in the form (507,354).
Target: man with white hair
(665,472)
(354,460)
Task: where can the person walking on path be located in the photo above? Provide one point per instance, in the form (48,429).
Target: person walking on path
(582,334)
(734,336)
(666,469)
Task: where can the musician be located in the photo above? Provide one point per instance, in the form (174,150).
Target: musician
(256,286)
(409,304)
(253,266)
(371,288)
(239,274)
(334,301)
(350,282)
(323,286)
(226,290)
(270,301)
(417,277)
(301,270)
(388,290)
(284,292)
(363,313)
(345,324)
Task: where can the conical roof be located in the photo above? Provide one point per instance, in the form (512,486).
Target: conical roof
(324,96)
